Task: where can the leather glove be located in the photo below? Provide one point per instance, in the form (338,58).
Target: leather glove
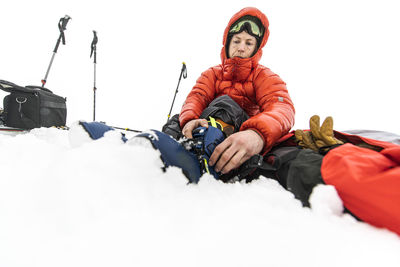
(318,137)
(305,139)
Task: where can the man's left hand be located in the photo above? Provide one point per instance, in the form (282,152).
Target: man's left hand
(235,150)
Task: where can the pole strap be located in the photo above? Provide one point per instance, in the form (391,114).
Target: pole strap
(93,46)
(62,26)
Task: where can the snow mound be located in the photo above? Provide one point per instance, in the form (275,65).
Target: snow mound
(106,203)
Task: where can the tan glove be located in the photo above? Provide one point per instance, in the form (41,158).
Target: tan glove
(317,137)
(305,139)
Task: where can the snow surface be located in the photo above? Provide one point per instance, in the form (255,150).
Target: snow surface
(105,203)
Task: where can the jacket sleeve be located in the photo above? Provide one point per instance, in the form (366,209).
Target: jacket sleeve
(276,116)
(199,97)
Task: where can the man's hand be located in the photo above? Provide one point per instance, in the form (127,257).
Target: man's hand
(235,150)
(193,124)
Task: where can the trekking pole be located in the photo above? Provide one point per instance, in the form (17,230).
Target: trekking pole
(127,129)
(184,74)
(62,26)
(94,52)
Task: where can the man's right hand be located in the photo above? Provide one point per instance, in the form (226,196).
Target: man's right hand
(193,124)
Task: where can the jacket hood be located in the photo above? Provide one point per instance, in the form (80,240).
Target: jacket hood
(252,11)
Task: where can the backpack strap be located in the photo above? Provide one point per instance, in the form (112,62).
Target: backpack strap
(9,86)
(273,165)
(12,87)
(254,167)
(34,87)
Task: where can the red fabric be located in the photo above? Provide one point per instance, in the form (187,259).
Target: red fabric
(368,182)
(260,92)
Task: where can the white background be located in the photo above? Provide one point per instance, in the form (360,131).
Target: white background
(338,58)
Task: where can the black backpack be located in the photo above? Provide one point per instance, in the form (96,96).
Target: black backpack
(32,107)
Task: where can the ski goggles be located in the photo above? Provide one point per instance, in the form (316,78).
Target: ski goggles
(255,29)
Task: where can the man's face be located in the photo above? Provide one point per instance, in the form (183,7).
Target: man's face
(242,45)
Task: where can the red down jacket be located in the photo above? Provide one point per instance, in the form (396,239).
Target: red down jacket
(260,92)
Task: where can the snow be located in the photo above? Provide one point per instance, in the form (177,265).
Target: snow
(75,202)
(325,200)
(106,203)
